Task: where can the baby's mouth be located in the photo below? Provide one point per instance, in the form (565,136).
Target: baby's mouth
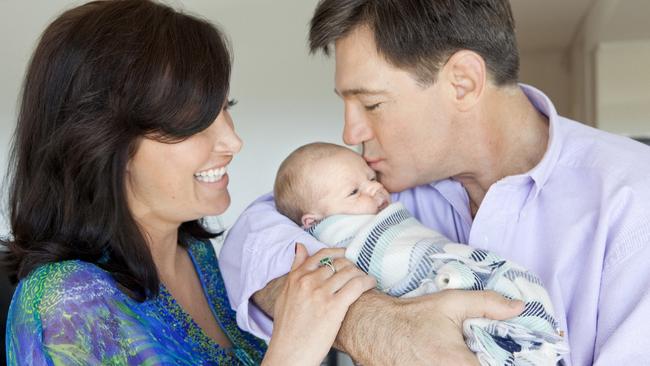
(384,201)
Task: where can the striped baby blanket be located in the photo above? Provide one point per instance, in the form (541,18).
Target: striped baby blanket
(408,259)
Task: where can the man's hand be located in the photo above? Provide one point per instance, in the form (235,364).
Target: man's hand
(426,330)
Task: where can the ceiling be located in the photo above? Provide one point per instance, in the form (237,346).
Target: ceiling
(548,24)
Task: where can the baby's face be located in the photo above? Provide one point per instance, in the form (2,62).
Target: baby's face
(346,185)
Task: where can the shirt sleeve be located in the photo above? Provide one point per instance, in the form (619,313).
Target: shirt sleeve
(23,337)
(624,302)
(68,316)
(259,248)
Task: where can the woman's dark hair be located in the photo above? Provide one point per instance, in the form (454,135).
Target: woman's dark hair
(419,35)
(103,76)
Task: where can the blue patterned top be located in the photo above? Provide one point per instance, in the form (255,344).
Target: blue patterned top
(73,313)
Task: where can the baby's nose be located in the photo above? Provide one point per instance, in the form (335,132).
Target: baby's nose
(374,188)
(379,195)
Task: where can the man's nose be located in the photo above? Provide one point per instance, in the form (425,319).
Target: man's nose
(356,129)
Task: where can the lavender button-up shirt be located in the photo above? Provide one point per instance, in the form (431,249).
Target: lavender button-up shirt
(580,220)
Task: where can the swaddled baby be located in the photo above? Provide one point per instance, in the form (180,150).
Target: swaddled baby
(330,191)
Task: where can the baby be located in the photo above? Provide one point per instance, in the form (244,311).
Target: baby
(330,191)
(320,180)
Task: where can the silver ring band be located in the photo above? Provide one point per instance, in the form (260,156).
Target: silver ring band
(327,261)
(331,266)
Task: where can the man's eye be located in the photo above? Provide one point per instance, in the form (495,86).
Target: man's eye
(353,192)
(371,107)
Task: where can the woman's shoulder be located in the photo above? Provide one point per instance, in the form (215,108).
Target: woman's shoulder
(53,284)
(71,312)
(70,273)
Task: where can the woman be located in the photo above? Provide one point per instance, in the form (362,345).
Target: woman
(121,147)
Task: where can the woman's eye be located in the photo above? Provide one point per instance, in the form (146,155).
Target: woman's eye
(230,103)
(353,192)
(372,107)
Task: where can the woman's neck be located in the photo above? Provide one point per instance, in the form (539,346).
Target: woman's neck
(162,239)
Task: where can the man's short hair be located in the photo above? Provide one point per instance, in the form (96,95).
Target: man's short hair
(294,190)
(420,35)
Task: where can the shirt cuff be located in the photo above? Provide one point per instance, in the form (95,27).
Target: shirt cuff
(253,320)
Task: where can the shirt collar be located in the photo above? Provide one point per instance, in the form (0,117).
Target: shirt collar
(541,172)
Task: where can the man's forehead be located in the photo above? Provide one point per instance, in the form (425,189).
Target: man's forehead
(360,75)
(356,49)
(360,69)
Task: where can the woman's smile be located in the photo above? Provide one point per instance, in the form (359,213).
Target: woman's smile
(210,175)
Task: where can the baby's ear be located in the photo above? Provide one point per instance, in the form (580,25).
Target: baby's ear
(308,220)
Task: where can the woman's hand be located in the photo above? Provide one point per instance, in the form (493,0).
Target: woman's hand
(312,305)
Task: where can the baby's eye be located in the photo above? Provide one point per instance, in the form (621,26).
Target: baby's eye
(355,191)
(373,179)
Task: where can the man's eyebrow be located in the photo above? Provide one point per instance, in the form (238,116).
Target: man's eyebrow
(358,91)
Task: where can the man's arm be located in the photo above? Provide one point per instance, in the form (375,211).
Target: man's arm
(624,298)
(383,330)
(426,330)
(265,298)
(378,329)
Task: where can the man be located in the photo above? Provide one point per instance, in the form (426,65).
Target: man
(430,91)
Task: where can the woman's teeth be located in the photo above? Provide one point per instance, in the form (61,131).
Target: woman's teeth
(210,176)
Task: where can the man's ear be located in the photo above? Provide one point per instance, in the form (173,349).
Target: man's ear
(308,220)
(467,74)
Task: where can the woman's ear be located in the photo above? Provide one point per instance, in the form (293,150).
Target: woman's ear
(467,74)
(308,220)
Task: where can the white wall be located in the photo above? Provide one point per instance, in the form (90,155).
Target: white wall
(582,51)
(285,96)
(606,23)
(599,79)
(623,87)
(548,70)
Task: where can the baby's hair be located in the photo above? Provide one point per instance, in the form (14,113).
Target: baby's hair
(293,192)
